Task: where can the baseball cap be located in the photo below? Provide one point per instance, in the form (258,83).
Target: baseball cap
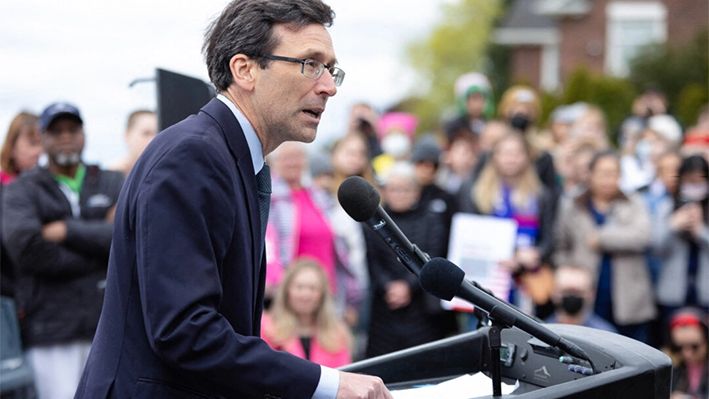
(52,112)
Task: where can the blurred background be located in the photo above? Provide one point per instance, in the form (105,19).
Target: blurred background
(397,57)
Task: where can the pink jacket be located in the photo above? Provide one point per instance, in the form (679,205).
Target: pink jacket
(293,346)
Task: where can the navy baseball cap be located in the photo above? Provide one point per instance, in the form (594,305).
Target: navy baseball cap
(54,111)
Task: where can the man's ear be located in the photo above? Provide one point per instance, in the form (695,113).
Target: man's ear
(243,71)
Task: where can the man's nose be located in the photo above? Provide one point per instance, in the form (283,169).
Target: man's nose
(326,84)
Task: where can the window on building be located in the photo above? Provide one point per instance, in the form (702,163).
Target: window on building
(630,27)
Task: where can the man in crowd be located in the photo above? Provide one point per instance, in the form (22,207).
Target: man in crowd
(57,226)
(573,297)
(185,286)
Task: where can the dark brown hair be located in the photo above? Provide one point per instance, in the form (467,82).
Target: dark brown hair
(246,27)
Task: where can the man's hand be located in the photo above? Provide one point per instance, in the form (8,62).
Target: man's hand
(55,231)
(398,294)
(360,386)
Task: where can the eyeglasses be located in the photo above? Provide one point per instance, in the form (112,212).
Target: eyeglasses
(311,68)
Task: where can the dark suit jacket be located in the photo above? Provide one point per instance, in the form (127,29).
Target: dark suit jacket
(184,293)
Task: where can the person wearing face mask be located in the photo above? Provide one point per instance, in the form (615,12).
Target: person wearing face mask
(519,108)
(397,132)
(639,161)
(573,297)
(682,242)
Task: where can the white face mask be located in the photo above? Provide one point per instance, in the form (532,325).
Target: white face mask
(396,144)
(643,149)
(693,191)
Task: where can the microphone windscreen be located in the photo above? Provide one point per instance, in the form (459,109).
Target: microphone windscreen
(358,198)
(441,278)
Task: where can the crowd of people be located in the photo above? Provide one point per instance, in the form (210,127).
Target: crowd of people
(609,238)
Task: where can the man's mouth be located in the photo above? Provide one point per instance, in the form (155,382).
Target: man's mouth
(314,112)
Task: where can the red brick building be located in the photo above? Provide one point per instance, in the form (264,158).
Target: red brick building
(551,38)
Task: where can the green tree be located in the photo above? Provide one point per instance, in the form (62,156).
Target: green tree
(457,45)
(682,73)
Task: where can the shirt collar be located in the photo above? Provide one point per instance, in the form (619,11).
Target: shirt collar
(252,140)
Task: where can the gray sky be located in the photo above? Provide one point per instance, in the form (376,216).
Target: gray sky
(88,51)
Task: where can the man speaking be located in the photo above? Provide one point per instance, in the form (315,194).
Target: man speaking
(184,292)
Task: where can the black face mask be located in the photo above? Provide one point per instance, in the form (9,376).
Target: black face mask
(572,304)
(519,122)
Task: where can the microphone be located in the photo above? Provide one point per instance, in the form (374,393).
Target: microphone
(361,201)
(443,279)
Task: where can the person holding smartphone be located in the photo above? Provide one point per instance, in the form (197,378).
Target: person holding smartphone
(682,242)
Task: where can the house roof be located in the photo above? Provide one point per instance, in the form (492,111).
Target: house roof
(523,14)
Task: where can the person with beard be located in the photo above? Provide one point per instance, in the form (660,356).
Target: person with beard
(573,298)
(57,227)
(402,314)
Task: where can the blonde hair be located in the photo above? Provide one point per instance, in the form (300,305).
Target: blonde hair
(520,94)
(332,334)
(487,188)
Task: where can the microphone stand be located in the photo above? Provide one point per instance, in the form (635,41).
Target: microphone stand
(494,342)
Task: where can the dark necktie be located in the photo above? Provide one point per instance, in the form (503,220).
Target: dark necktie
(263,183)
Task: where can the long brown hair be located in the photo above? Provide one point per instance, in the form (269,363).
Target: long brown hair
(23,120)
(332,334)
(487,188)
(367,173)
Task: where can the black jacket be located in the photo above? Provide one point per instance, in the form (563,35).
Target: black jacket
(441,202)
(59,287)
(422,320)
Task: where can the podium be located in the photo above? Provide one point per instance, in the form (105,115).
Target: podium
(626,368)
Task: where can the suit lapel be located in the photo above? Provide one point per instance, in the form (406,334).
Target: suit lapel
(239,149)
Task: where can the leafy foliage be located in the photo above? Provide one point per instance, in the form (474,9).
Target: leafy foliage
(682,73)
(457,45)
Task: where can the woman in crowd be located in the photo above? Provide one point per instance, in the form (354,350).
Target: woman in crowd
(508,187)
(397,133)
(298,222)
(520,107)
(690,335)
(606,232)
(349,158)
(20,152)
(682,241)
(302,320)
(22,147)
(402,314)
